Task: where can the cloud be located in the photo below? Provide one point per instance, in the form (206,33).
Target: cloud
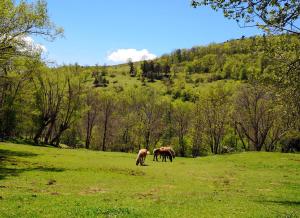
(31,45)
(123,55)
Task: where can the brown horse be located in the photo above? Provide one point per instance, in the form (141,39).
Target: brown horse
(141,156)
(164,152)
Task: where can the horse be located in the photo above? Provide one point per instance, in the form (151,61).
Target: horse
(141,156)
(171,151)
(165,152)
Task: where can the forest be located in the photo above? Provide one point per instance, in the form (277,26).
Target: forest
(239,95)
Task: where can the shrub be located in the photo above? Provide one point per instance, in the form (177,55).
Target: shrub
(291,142)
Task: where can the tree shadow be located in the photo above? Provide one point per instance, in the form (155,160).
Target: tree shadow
(8,153)
(10,166)
(282,202)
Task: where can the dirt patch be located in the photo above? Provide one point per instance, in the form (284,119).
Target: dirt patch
(125,171)
(51,182)
(154,193)
(55,193)
(93,190)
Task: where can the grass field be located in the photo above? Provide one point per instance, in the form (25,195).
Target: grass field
(49,182)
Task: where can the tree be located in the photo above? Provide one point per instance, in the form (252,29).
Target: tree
(132,71)
(49,92)
(257,118)
(197,130)
(99,77)
(127,122)
(107,103)
(71,106)
(149,110)
(91,115)
(215,109)
(181,121)
(272,16)
(19,21)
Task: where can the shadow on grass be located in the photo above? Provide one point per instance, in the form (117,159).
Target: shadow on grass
(282,202)
(8,153)
(10,166)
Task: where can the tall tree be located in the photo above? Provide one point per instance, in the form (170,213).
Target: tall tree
(215,108)
(257,118)
(71,107)
(17,23)
(92,101)
(181,121)
(49,92)
(107,108)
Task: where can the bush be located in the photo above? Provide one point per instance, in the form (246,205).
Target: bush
(290,142)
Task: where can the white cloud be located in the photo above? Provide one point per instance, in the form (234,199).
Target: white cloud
(123,55)
(31,45)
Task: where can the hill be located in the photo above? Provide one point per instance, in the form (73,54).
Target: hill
(193,99)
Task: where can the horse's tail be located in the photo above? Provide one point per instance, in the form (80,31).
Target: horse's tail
(138,159)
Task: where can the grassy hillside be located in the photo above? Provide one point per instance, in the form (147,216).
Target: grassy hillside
(49,182)
(193,70)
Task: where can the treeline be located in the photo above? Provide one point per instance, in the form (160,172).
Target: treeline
(74,105)
(55,106)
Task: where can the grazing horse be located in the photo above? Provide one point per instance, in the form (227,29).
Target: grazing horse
(156,152)
(165,152)
(141,157)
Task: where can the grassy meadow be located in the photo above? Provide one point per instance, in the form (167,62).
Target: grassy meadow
(50,182)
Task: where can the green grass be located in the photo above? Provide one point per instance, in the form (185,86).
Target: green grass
(49,182)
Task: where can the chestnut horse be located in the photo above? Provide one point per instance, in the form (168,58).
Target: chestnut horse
(141,156)
(165,152)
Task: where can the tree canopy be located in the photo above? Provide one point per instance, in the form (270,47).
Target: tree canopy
(275,16)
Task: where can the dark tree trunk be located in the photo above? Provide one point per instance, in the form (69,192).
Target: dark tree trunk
(104,134)
(39,134)
(49,132)
(147,139)
(56,140)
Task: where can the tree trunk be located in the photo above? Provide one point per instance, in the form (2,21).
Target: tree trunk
(38,134)
(88,133)
(147,139)
(181,145)
(104,134)
(49,132)
(56,140)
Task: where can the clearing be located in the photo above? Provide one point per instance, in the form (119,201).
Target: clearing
(51,182)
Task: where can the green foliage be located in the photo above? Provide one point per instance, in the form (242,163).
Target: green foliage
(271,16)
(18,21)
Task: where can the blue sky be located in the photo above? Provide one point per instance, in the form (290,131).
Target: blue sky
(95,29)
